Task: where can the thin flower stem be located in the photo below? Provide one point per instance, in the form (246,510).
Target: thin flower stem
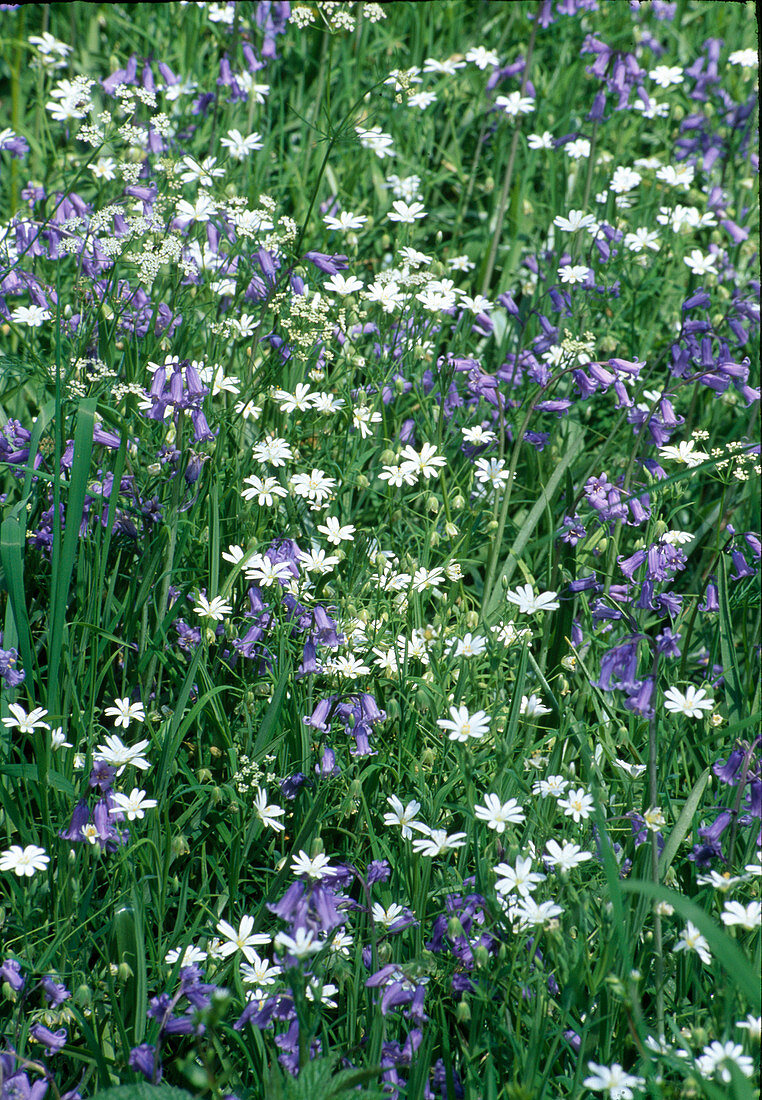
(653,794)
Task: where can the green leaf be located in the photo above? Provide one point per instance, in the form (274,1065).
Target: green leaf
(727,953)
(574,442)
(683,824)
(730,667)
(142,1090)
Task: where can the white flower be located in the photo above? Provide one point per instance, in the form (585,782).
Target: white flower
(463,725)
(515,104)
(404,816)
(386,916)
(577,219)
(104,168)
(479,435)
(397,477)
(337,284)
(699,263)
(491,471)
(482,57)
(438,842)
(642,238)
(747,916)
(24,862)
(424,464)
(752,1024)
(421,100)
(528,603)
(316,486)
(58,739)
(529,914)
(676,176)
(684,452)
(692,940)
(747,59)
(387,295)
(666,75)
(540,141)
(714,1059)
(520,877)
(578,805)
(190,956)
(624,179)
(118,755)
(691,704)
(633,770)
(448,67)
(134,804)
(565,857)
(335,533)
(241,939)
(498,814)
(301,946)
(265,572)
(272,450)
(260,971)
(125,712)
(578,148)
(533,706)
(215,609)
(316,867)
(363,417)
(345,220)
(265,489)
(33,316)
(268,815)
(407,213)
(317,561)
(470,646)
(241,146)
(298,401)
(574,274)
(554,785)
(23,722)
(613,1080)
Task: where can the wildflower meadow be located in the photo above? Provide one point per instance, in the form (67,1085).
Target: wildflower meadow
(380,551)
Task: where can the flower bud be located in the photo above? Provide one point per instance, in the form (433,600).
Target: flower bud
(463,1012)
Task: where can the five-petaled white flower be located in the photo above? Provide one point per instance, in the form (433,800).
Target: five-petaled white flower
(692,940)
(498,814)
(565,856)
(402,815)
(134,804)
(24,862)
(613,1080)
(578,805)
(315,867)
(215,609)
(26,723)
(268,815)
(405,212)
(462,725)
(745,916)
(692,703)
(301,945)
(528,603)
(124,712)
(437,842)
(118,755)
(243,939)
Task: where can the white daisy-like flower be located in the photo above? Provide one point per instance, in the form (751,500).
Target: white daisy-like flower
(123,712)
(530,603)
(24,862)
(215,609)
(692,703)
(463,726)
(498,814)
